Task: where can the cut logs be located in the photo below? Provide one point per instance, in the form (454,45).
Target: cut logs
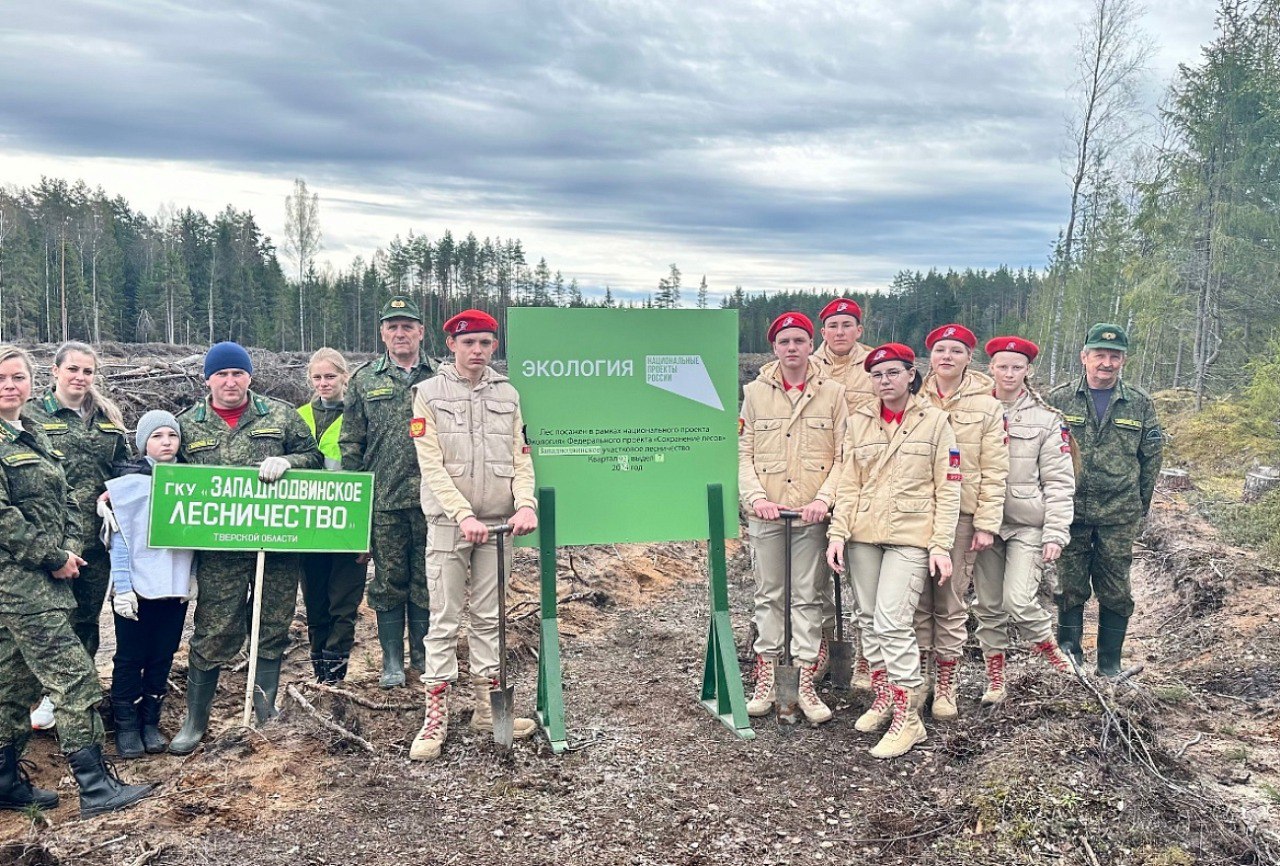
(1174,480)
(1259,481)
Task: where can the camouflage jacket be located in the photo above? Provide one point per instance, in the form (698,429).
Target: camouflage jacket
(375,431)
(38,520)
(91,446)
(1120,453)
(268,428)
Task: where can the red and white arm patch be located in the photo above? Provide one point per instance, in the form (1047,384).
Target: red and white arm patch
(417,427)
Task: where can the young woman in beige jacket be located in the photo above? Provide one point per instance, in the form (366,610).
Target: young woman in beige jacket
(1037,518)
(896,506)
(789,437)
(978,421)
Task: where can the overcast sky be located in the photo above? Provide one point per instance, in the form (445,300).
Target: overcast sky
(768,145)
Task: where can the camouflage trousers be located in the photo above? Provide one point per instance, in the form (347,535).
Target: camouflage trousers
(90,590)
(1096,562)
(224,606)
(39,653)
(399,547)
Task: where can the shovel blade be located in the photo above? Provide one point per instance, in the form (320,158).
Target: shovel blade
(786,684)
(502,702)
(841,665)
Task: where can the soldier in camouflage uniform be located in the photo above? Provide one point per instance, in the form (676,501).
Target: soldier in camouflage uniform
(1118,439)
(39,540)
(234,426)
(375,438)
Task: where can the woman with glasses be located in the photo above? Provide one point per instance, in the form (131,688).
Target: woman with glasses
(896,506)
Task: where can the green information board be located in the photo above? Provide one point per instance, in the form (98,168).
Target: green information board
(629,415)
(228,508)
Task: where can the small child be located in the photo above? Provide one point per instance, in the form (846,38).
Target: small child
(151,588)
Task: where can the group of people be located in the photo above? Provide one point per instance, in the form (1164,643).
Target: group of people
(449,460)
(919,488)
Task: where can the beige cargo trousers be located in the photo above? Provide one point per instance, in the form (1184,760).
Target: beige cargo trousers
(462,576)
(808,574)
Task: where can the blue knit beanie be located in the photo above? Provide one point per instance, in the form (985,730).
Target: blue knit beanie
(226,356)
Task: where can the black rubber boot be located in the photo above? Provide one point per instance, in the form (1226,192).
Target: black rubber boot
(16,790)
(266,682)
(419,624)
(1111,631)
(337,663)
(149,712)
(100,789)
(201,687)
(320,667)
(128,729)
(1071,632)
(391,636)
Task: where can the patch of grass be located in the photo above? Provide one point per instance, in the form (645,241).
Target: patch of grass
(1175,693)
(1236,753)
(1171,856)
(1272,792)
(1256,525)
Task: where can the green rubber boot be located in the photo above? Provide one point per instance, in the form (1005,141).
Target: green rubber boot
(1112,628)
(1071,632)
(266,682)
(201,687)
(419,624)
(391,637)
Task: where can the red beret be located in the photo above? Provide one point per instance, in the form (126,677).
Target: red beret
(790,320)
(841,307)
(1013,344)
(959,333)
(470,320)
(889,352)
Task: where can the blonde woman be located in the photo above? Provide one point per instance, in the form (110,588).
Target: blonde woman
(1037,517)
(332,583)
(978,421)
(86,427)
(40,532)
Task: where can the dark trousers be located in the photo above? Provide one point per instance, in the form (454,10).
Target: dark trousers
(145,648)
(332,586)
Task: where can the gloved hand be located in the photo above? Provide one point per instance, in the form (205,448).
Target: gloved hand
(125,604)
(193,590)
(109,524)
(272,468)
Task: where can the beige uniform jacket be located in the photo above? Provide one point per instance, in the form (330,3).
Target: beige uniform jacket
(848,371)
(471,447)
(978,420)
(789,452)
(899,484)
(1042,481)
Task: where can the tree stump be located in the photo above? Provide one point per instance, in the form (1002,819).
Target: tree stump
(1259,481)
(1174,480)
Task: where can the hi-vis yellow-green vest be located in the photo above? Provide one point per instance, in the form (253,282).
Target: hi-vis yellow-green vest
(329,441)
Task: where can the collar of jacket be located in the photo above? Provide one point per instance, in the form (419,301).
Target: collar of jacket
(385,363)
(915,409)
(856,355)
(973,382)
(771,373)
(1122,393)
(259,403)
(489,376)
(9,433)
(49,403)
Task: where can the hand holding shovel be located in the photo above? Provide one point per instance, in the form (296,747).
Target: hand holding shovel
(502,699)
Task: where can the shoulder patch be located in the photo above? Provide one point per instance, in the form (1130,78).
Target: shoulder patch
(201,444)
(267,431)
(1073,419)
(55,426)
(1128,423)
(742,425)
(1155,433)
(417,427)
(107,427)
(22,458)
(380,393)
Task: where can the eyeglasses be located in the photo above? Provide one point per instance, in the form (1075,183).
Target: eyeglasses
(891,375)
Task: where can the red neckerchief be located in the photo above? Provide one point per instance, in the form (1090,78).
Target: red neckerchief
(891,417)
(788,387)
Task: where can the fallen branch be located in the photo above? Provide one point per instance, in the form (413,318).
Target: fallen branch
(329,724)
(574,596)
(358,699)
(147,855)
(1188,744)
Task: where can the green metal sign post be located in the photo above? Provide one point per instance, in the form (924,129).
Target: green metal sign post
(550,692)
(722,692)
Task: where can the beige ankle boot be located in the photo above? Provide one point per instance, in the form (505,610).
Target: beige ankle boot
(482,716)
(762,698)
(1050,652)
(944,689)
(907,730)
(880,712)
(995,680)
(810,704)
(862,675)
(426,746)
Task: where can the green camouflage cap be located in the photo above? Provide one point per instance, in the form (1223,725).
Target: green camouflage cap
(1105,335)
(401,307)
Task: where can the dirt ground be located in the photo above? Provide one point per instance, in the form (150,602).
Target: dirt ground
(1182,767)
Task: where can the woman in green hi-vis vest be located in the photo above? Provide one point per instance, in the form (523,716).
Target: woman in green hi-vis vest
(332,583)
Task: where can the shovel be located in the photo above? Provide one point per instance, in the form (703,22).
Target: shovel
(786,673)
(841,651)
(502,699)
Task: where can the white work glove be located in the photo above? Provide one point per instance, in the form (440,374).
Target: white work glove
(125,604)
(109,523)
(272,468)
(192,591)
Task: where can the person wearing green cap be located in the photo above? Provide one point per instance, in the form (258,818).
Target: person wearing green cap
(375,438)
(1117,439)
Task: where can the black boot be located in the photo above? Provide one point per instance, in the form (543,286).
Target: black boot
(266,682)
(391,636)
(128,729)
(16,790)
(149,712)
(337,663)
(201,687)
(320,667)
(100,789)
(419,624)
(1111,631)
(1071,632)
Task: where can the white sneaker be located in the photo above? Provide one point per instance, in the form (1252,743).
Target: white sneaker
(42,716)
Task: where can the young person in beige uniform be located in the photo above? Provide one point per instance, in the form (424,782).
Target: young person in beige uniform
(841,355)
(1037,518)
(476,471)
(789,435)
(978,421)
(896,508)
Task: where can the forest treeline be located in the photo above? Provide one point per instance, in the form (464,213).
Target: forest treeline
(1173,231)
